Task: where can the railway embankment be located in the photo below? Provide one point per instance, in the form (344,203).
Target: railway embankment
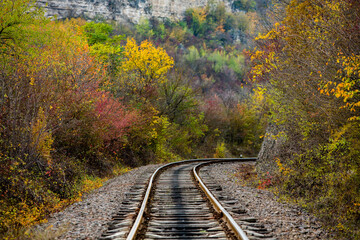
(89,218)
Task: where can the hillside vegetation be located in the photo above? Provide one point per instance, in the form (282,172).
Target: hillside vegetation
(84,101)
(307,68)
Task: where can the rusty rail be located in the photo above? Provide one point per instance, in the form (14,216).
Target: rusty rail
(140,217)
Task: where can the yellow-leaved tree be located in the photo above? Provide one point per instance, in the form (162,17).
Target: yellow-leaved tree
(144,67)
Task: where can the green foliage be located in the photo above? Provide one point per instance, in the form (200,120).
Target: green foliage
(160,31)
(221,59)
(193,55)
(97,32)
(329,174)
(144,28)
(177,100)
(230,23)
(244,5)
(236,63)
(196,20)
(15,18)
(242,21)
(105,47)
(246,126)
(220,151)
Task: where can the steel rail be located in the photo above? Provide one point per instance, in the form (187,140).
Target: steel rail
(140,217)
(218,207)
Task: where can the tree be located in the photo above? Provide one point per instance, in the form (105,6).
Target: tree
(55,120)
(15,17)
(144,28)
(177,99)
(308,66)
(105,47)
(144,67)
(196,20)
(97,32)
(244,5)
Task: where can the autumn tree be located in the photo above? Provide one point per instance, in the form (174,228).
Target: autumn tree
(307,66)
(144,67)
(56,121)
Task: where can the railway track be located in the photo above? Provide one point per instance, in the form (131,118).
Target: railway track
(183,202)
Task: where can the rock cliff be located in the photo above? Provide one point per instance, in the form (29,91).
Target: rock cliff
(121,10)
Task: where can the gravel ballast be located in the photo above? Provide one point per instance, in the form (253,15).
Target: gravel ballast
(89,218)
(285,221)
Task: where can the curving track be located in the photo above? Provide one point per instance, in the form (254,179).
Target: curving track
(179,204)
(178,209)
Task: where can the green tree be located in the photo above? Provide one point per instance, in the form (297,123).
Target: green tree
(196,19)
(97,32)
(144,28)
(244,5)
(15,18)
(107,48)
(177,99)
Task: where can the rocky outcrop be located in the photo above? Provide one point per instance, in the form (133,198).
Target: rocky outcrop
(121,10)
(270,149)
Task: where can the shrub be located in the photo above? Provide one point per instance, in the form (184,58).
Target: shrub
(220,151)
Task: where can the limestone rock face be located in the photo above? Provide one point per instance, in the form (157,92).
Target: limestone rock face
(121,10)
